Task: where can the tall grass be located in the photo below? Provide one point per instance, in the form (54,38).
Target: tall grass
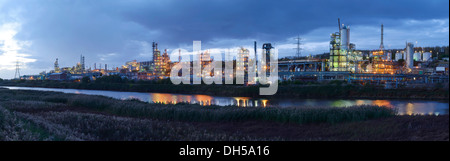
(188,112)
(75,126)
(13,127)
(40,120)
(36,115)
(102,127)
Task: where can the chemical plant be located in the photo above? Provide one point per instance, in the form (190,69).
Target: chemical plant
(410,66)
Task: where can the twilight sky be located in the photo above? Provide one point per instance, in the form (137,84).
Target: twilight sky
(36,32)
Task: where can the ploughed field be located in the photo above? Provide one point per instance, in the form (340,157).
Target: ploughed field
(38,115)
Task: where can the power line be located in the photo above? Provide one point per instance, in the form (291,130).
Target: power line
(17,70)
(298,48)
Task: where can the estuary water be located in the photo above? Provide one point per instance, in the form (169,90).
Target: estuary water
(404,107)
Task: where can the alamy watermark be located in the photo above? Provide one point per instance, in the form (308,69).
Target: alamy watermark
(261,68)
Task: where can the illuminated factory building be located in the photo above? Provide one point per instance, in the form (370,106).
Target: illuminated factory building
(409,65)
(381,66)
(343,56)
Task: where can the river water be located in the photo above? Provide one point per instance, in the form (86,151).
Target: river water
(403,107)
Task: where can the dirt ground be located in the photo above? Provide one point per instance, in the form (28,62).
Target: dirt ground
(399,128)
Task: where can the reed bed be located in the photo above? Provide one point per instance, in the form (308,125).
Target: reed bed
(188,112)
(37,115)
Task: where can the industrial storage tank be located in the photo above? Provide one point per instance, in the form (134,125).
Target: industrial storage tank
(345,37)
(409,55)
(398,56)
(426,56)
(417,56)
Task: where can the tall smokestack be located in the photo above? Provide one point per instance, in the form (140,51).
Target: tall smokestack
(153,51)
(339,25)
(256,55)
(179,55)
(381,45)
(256,59)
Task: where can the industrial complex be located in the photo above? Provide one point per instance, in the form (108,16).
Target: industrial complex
(410,66)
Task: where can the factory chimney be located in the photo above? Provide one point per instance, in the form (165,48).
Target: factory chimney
(339,25)
(179,55)
(381,45)
(256,60)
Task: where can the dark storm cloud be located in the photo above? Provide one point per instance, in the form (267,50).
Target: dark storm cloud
(183,21)
(113,32)
(99,24)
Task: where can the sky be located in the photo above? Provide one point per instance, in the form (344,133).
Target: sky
(36,32)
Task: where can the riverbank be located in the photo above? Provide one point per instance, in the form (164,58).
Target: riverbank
(334,90)
(37,115)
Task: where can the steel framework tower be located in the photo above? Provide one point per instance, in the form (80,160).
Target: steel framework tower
(298,46)
(17,71)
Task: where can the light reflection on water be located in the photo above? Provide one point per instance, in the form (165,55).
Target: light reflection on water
(407,107)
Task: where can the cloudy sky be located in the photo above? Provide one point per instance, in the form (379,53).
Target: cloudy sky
(36,32)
